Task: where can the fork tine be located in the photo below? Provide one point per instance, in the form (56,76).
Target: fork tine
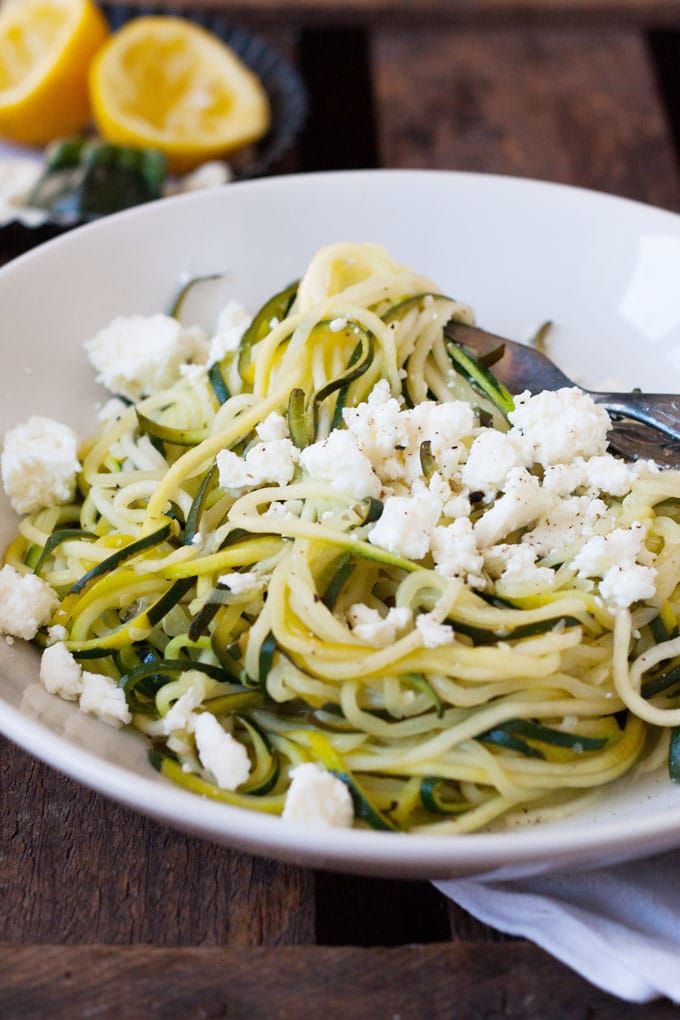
(520,367)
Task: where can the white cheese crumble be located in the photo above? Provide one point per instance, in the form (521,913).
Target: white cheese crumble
(97,695)
(391,437)
(60,673)
(273,427)
(273,461)
(102,697)
(232,322)
(559,425)
(284,511)
(621,559)
(316,797)
(368,625)
(516,570)
(136,355)
(26,603)
(522,502)
(181,714)
(406,525)
(56,633)
(492,456)
(338,460)
(565,479)
(564,522)
(379,429)
(610,475)
(39,464)
(433,633)
(220,753)
(455,553)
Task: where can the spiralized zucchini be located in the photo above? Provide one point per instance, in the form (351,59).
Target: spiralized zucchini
(244,598)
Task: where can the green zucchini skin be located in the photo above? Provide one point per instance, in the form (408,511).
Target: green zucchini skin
(674,756)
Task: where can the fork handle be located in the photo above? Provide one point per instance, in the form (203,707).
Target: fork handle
(662,410)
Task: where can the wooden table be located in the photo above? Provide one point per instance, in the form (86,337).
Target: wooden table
(107,914)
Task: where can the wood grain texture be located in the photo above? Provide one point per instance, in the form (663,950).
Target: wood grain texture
(470,982)
(577,107)
(457,12)
(76,868)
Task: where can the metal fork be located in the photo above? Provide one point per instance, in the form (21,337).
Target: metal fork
(644,424)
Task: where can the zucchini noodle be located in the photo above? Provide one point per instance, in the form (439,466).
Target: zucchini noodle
(228,554)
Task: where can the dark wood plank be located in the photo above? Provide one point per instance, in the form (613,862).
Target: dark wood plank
(475,982)
(76,868)
(480,12)
(573,106)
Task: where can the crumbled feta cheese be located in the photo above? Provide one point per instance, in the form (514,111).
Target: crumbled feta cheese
(434,633)
(564,479)
(560,425)
(56,633)
(379,429)
(220,753)
(610,474)
(232,322)
(60,673)
(369,626)
(316,797)
(273,427)
(26,603)
(621,586)
(286,510)
(439,487)
(241,582)
(522,502)
(443,426)
(273,461)
(193,373)
(621,559)
(136,355)
(515,567)
(564,521)
(181,715)
(338,460)
(407,524)
(102,697)
(457,506)
(492,455)
(455,553)
(391,437)
(622,546)
(39,464)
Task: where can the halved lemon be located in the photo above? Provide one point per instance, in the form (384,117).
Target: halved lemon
(45,51)
(162,82)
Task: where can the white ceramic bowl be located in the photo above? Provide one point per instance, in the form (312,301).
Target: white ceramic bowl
(605,270)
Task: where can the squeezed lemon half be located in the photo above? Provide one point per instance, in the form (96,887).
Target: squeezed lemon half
(46,47)
(162,82)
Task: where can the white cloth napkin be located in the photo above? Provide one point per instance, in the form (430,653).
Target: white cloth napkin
(618,927)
